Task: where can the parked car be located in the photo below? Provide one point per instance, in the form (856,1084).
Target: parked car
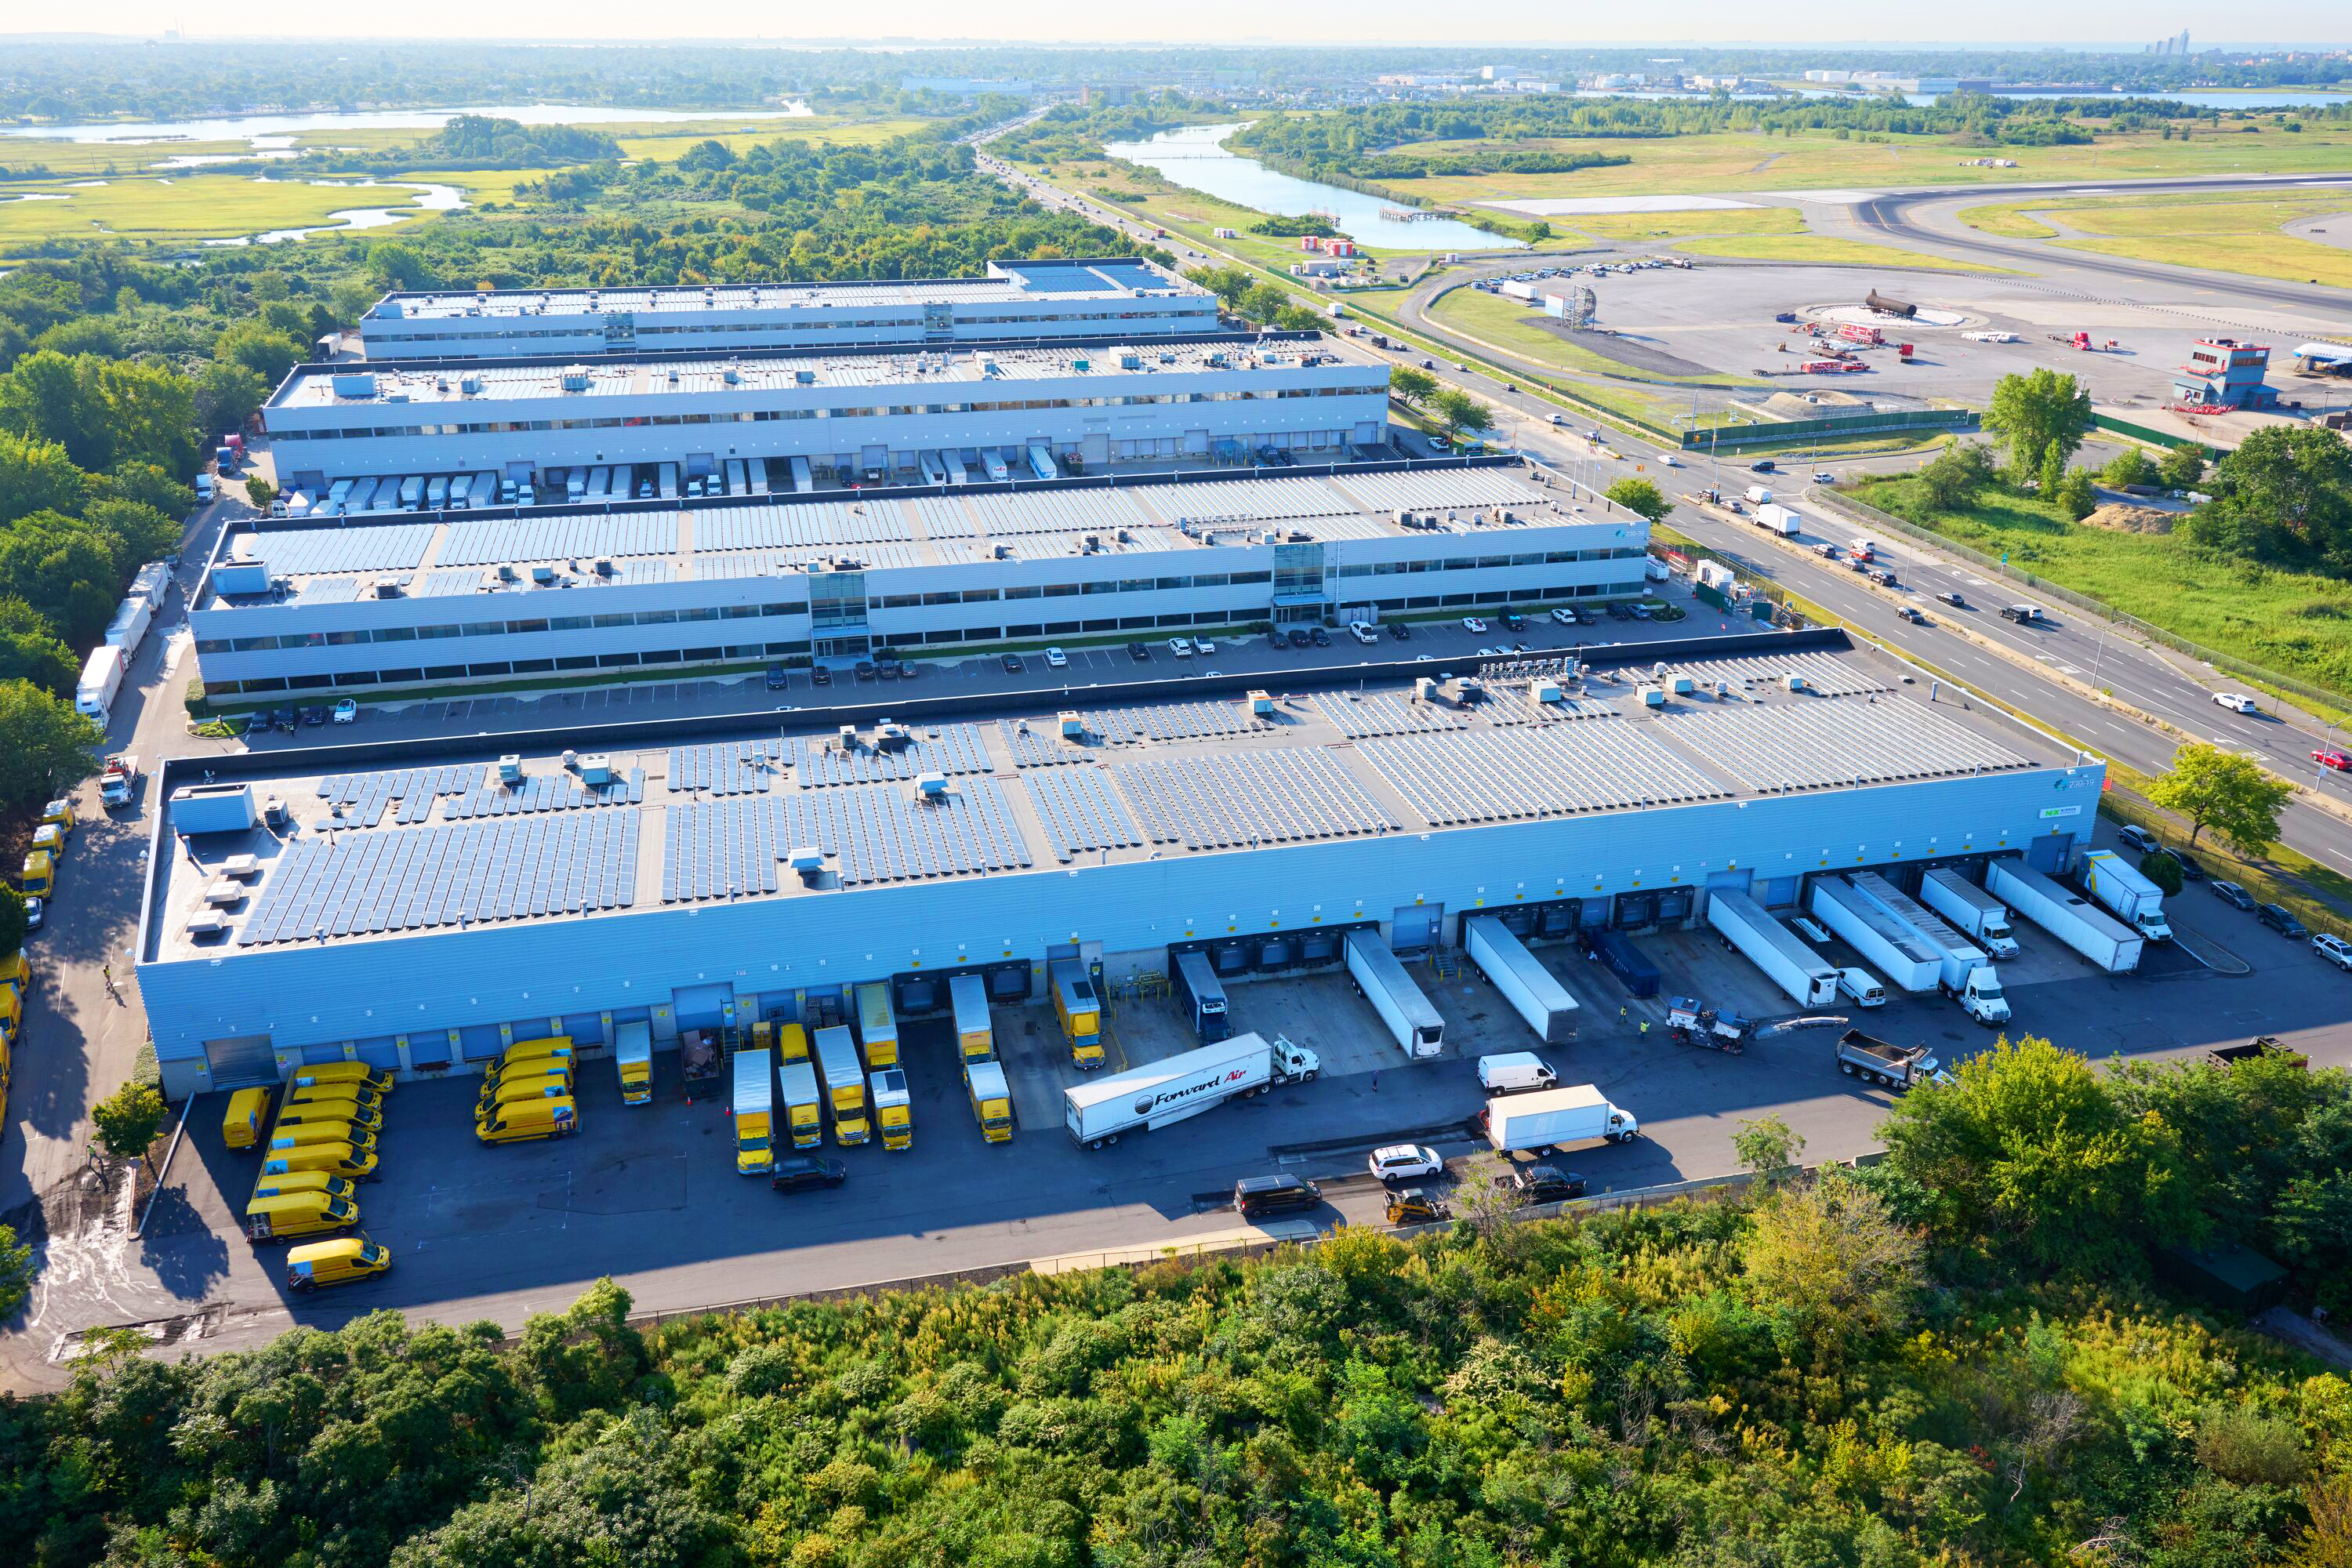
(1474,626)
(1138,652)
(2139,838)
(2233,895)
(1513,621)
(2333,949)
(864,669)
(1204,646)
(805,1172)
(1399,631)
(1406,1162)
(2281,919)
(1255,1195)
(1544,1184)
(1056,660)
(820,676)
(36,911)
(2235,701)
(1564,616)
(1298,637)
(345,712)
(1318,637)
(1179,647)
(2190,871)
(776,677)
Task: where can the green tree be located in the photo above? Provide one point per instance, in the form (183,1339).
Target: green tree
(2052,472)
(2074,495)
(35,475)
(43,396)
(259,492)
(1458,413)
(260,348)
(225,393)
(2182,469)
(2159,866)
(44,745)
(1766,1146)
(128,1119)
(149,412)
(12,939)
(66,568)
(82,335)
(1827,1256)
(1952,478)
(2283,495)
(2128,468)
(147,484)
(30,650)
(16,1273)
(2033,411)
(1641,498)
(1411,383)
(2225,792)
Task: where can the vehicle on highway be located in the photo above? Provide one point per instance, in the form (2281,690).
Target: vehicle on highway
(1823,476)
(2233,895)
(1829,552)
(2281,919)
(1429,364)
(2333,949)
(345,712)
(2340,760)
(1954,598)
(805,1172)
(1670,460)
(1560,419)
(1474,626)
(1056,660)
(2235,701)
(2139,838)
(1911,612)
(1405,1161)
(2023,615)
(1881,576)
(1544,1184)
(1763,465)
(1255,1195)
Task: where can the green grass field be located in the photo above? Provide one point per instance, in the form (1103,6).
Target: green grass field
(2294,622)
(2222,232)
(196,206)
(1511,324)
(2007,222)
(1721,221)
(1824,250)
(88,160)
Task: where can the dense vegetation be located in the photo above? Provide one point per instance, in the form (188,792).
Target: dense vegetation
(1956,1358)
(478,142)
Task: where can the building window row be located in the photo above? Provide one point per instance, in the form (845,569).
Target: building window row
(575,664)
(496,629)
(591,326)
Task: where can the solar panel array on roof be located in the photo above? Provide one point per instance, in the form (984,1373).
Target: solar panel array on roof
(1056,511)
(359,883)
(1251,499)
(721,849)
(808,525)
(1513,702)
(499,542)
(441,583)
(729,767)
(1461,489)
(301,552)
(358,799)
(544,792)
(1039,745)
(880,833)
(1825,673)
(1062,546)
(1081,810)
(1172,721)
(1223,802)
(326,591)
(1506,775)
(1361,713)
(944,517)
(818,763)
(1812,743)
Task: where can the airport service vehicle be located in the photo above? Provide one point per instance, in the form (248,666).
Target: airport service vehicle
(844,1084)
(802,1116)
(1780,518)
(118,785)
(2067,915)
(1515,1072)
(991,1099)
(1506,964)
(1380,980)
(2131,898)
(1203,997)
(1971,910)
(101,678)
(1532,1123)
(1161,1094)
(1772,948)
(1894,1067)
(755,1113)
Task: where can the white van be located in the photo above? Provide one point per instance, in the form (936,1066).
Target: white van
(1515,1072)
(1860,988)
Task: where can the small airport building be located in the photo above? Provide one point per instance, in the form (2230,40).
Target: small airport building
(1105,298)
(419,905)
(361,605)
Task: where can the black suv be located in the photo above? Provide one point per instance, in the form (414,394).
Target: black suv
(804,1172)
(1299,638)
(1399,631)
(1513,621)
(776,677)
(1255,1195)
(1545,1184)
(1318,637)
(2282,920)
(1138,652)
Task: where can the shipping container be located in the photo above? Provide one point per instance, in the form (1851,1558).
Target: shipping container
(1627,963)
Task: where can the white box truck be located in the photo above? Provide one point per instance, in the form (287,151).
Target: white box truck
(2067,915)
(101,678)
(1809,979)
(2132,898)
(1162,1093)
(1758,495)
(1972,911)
(1894,950)
(1551,1118)
(1780,518)
(1380,980)
(1505,964)
(129,626)
(754,1108)
(1962,970)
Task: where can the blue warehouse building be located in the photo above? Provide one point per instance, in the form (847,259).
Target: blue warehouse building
(415,906)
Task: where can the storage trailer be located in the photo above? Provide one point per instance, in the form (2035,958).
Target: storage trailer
(802,1116)
(877,1026)
(1531,990)
(2066,914)
(1380,980)
(1203,997)
(1809,979)
(1963,972)
(1079,1010)
(1162,1093)
(754,1105)
(1901,954)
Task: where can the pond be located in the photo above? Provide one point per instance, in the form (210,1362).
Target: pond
(1196,157)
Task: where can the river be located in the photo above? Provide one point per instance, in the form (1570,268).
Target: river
(1196,156)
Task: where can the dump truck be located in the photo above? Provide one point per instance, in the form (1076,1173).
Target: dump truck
(877,1026)
(968,995)
(1894,1067)
(894,1109)
(1972,911)
(1506,964)
(991,1099)
(632,1051)
(1078,1008)
(755,1113)
(802,1116)
(1411,1022)
(844,1084)
(1203,997)
(1809,979)
(2067,915)
(1551,1118)
(1165,1093)
(2108,877)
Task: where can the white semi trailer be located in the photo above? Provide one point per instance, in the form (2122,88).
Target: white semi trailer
(1525,982)
(2067,915)
(1380,980)
(1162,1093)
(1894,950)
(1771,947)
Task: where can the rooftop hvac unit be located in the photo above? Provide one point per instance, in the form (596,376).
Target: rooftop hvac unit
(543,574)
(1073,727)
(1681,686)
(1653,696)
(396,397)
(1795,682)
(199,927)
(1081,365)
(1261,702)
(223,891)
(241,866)
(1546,692)
(1130,362)
(891,737)
(603,567)
(440,384)
(931,786)
(387,587)
(511,768)
(849,737)
(1000,552)
(595,768)
(732,376)
(469,384)
(673,378)
(356,385)
(575,378)
(805,377)
(808,860)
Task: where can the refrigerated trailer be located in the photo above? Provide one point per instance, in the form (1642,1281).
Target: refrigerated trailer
(1804,974)
(2067,915)
(1904,957)
(1526,984)
(1165,1093)
(1203,997)
(1380,980)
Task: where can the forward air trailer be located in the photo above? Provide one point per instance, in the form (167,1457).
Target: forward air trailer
(1505,964)
(1380,980)
(1162,1093)
(1771,947)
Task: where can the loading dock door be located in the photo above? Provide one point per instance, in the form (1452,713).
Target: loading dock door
(241,1062)
(702,1006)
(1413,928)
(2049,853)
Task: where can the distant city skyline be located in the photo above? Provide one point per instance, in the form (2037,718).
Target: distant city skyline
(2111,25)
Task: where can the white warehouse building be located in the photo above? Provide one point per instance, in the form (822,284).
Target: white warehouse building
(866,414)
(455,598)
(1108,296)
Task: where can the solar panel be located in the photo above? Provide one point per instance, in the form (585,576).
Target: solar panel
(1360,714)
(490,543)
(872,833)
(1221,802)
(1824,673)
(954,749)
(357,800)
(1039,745)
(1812,744)
(303,552)
(1166,721)
(543,792)
(814,526)
(1081,810)
(1462,489)
(729,767)
(1504,775)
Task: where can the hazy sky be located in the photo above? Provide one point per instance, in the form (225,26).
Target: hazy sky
(2123,22)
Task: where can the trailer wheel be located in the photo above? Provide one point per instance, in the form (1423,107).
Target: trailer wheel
(1847,1068)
